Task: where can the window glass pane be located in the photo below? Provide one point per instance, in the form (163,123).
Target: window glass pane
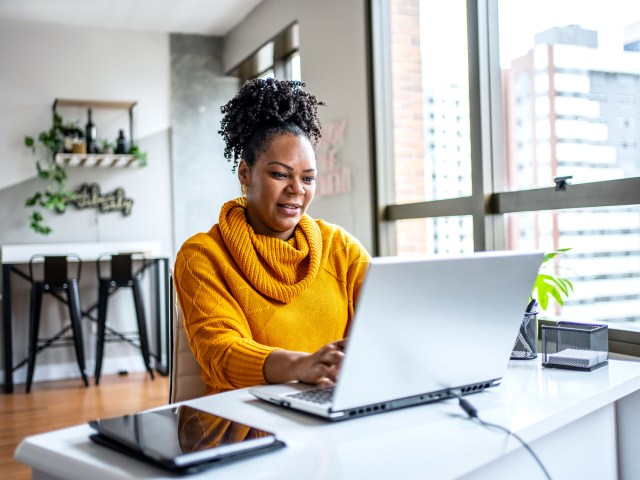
(438,235)
(429,69)
(603,263)
(571,82)
(293,67)
(267,74)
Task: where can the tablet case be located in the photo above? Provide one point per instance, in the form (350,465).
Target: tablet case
(133,453)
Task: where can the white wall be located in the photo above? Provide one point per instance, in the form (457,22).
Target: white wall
(333,52)
(41,62)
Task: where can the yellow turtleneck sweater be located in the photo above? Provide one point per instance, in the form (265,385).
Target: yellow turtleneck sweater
(244,295)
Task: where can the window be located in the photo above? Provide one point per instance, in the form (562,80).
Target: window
(471,144)
(278,58)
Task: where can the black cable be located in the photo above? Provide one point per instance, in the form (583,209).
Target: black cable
(473,414)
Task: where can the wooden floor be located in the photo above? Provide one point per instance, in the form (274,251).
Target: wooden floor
(59,404)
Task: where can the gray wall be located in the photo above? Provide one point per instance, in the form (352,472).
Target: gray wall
(201,176)
(333,52)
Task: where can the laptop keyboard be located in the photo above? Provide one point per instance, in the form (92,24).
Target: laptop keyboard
(321,396)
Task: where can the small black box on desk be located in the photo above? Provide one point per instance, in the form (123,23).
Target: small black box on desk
(576,346)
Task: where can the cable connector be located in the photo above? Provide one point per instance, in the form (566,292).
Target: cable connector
(468,408)
(464,404)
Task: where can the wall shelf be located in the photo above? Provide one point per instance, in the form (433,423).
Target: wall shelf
(106,160)
(66,102)
(95,159)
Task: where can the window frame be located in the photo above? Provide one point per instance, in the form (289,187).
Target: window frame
(272,55)
(487,204)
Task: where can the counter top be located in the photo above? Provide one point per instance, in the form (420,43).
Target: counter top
(22,253)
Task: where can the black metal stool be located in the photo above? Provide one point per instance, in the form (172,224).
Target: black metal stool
(121,276)
(55,279)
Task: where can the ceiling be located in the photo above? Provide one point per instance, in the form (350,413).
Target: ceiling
(205,17)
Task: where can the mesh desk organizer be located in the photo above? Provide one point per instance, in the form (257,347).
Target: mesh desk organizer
(575,346)
(55,280)
(121,275)
(526,347)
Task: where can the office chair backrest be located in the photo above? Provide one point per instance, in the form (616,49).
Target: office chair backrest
(185,382)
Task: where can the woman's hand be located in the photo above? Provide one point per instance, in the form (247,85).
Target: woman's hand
(283,366)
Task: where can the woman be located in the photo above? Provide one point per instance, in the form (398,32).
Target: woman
(268,293)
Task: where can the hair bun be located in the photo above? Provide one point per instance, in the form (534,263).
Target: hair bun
(267,104)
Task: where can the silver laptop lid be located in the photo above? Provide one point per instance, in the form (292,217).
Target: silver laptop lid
(429,323)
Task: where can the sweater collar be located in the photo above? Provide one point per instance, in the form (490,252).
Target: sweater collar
(276,268)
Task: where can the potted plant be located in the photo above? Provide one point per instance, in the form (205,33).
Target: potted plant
(549,285)
(106,147)
(546,286)
(54,195)
(140,155)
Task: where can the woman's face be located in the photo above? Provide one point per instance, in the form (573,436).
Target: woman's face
(280,185)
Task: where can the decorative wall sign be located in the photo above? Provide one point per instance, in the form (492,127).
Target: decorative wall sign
(333,178)
(89,196)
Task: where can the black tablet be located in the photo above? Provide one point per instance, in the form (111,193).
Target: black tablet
(182,439)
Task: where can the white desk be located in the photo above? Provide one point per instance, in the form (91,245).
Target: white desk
(581,425)
(20,254)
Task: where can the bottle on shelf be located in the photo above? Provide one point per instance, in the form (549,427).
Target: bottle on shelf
(122,145)
(91,134)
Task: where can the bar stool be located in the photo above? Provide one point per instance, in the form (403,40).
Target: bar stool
(55,280)
(121,276)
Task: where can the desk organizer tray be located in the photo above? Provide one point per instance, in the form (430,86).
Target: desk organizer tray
(575,346)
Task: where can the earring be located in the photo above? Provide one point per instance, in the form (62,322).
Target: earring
(243,189)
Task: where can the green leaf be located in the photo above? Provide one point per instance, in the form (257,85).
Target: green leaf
(31,201)
(558,285)
(567,283)
(60,171)
(29,142)
(37,225)
(59,204)
(555,294)
(543,300)
(549,285)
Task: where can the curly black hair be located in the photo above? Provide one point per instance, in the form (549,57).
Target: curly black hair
(263,109)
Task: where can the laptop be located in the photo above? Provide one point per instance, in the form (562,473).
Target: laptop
(425,329)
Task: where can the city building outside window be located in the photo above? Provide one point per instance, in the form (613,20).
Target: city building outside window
(492,103)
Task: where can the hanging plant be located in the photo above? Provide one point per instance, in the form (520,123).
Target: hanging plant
(54,195)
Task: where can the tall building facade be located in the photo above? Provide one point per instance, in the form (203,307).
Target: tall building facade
(447,165)
(573,110)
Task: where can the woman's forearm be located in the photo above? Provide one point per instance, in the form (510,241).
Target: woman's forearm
(281,366)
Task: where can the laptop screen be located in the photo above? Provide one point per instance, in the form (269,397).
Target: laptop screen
(424,324)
